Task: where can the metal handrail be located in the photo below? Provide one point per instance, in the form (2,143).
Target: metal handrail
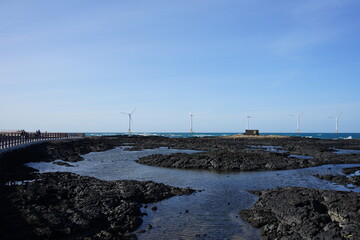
(14,138)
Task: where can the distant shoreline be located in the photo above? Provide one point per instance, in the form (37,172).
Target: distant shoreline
(255,136)
(225,134)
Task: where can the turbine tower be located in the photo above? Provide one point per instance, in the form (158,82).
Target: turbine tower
(191,122)
(247,121)
(130,119)
(337,122)
(297,121)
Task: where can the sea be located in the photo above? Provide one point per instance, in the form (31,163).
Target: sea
(217,134)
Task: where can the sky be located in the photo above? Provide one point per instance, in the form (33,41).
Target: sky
(74,66)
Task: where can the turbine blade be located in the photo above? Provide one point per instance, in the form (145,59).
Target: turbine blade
(292,115)
(301,114)
(124,113)
(339,115)
(133,111)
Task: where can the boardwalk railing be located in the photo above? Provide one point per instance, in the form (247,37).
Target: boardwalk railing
(14,138)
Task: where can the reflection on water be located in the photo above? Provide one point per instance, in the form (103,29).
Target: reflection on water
(277,149)
(300,156)
(346,151)
(209,214)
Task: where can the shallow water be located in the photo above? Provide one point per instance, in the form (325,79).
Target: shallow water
(276,149)
(212,213)
(346,151)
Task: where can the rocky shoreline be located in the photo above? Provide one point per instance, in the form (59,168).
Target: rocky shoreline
(245,154)
(302,213)
(69,206)
(72,206)
(263,154)
(348,180)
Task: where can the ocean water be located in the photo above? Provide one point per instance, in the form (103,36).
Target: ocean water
(209,134)
(209,214)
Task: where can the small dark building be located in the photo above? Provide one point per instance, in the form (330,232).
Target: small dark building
(251,132)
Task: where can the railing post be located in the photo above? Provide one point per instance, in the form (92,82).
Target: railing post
(19,137)
(11,140)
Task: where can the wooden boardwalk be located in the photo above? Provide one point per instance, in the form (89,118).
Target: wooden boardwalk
(15,138)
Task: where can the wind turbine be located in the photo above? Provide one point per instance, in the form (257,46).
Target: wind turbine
(337,122)
(297,121)
(191,122)
(247,121)
(130,119)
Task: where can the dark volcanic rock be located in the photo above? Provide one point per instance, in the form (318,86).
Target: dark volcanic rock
(65,164)
(69,206)
(246,160)
(350,170)
(301,213)
(233,154)
(340,179)
(12,160)
(221,153)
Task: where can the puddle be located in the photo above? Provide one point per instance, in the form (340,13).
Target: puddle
(346,151)
(276,149)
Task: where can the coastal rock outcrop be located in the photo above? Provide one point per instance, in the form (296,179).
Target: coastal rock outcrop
(69,206)
(340,179)
(346,180)
(302,213)
(350,170)
(247,160)
(243,160)
(219,153)
(12,160)
(253,154)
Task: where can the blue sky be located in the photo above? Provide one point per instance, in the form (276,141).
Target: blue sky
(75,65)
